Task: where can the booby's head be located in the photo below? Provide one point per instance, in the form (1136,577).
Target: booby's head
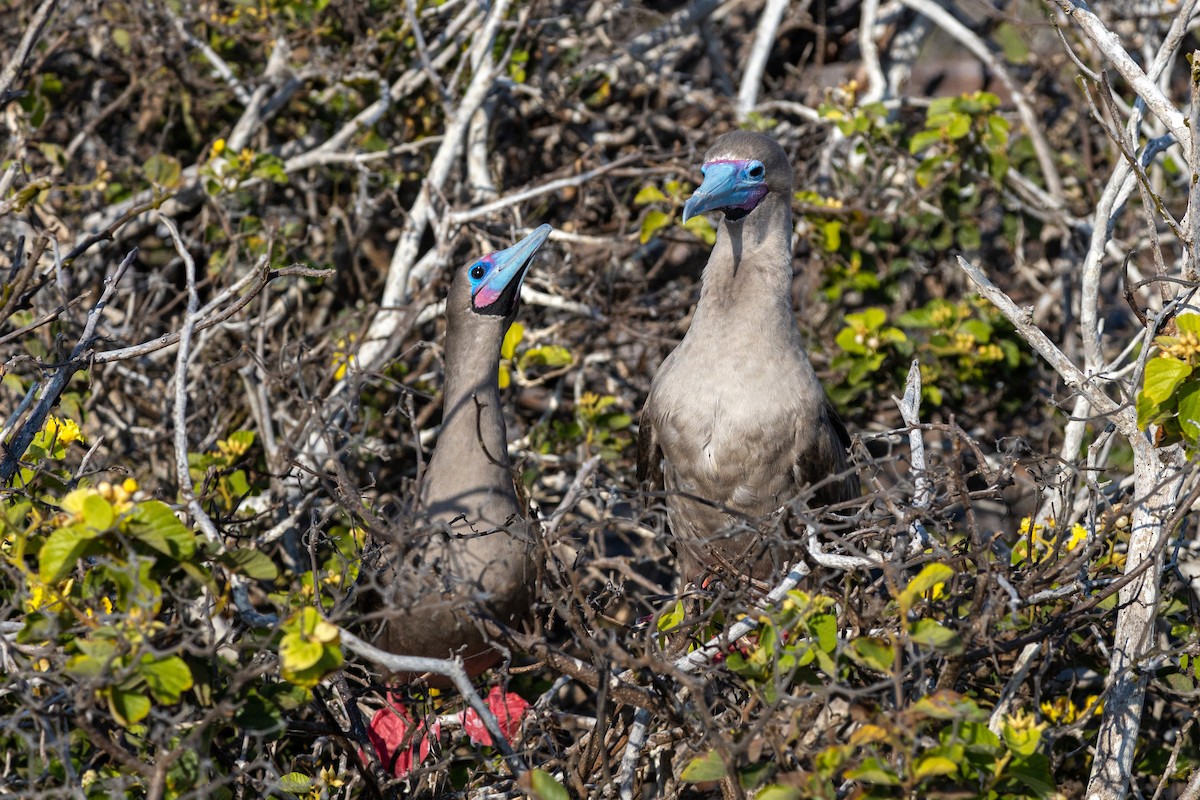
(495,279)
(740,170)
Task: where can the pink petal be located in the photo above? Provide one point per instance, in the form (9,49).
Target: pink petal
(509,709)
(387,732)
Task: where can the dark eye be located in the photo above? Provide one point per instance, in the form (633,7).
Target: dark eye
(757,171)
(477,271)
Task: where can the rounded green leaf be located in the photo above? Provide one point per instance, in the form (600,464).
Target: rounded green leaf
(168,678)
(128,708)
(649,194)
(545,787)
(163,170)
(929,766)
(874,653)
(251,563)
(98,513)
(708,767)
(297,652)
(1163,376)
(62,551)
(1189,412)
(154,524)
(932,633)
(776,792)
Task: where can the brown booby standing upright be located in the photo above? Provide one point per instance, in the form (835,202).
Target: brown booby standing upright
(470,555)
(736,423)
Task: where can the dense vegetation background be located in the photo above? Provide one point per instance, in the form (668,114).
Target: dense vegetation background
(224,231)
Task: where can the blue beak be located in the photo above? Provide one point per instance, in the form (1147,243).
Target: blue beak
(507,271)
(727,184)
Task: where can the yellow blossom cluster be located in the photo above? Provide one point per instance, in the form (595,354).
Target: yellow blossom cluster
(989,352)
(1063,711)
(343,358)
(1044,539)
(61,430)
(1185,346)
(120,495)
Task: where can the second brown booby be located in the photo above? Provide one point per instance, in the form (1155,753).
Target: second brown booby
(736,423)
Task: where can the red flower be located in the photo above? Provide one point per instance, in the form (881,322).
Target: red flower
(387,732)
(509,709)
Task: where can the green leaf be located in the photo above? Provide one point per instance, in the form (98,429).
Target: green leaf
(545,787)
(922,140)
(926,579)
(296,783)
(1163,376)
(253,564)
(874,771)
(977,736)
(269,166)
(932,633)
(945,704)
(672,619)
(168,678)
(824,628)
(62,551)
(310,648)
(649,194)
(708,767)
(872,652)
(1034,772)
(833,235)
(1188,323)
(258,714)
(512,338)
(550,355)
(654,221)
(163,170)
(154,524)
(968,236)
(1189,412)
(702,229)
(930,766)
(960,126)
(777,792)
(298,653)
(94,659)
(128,707)
(98,513)
(1024,741)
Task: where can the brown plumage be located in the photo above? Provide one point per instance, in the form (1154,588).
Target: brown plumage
(469,557)
(736,423)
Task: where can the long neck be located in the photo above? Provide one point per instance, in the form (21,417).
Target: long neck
(749,273)
(468,474)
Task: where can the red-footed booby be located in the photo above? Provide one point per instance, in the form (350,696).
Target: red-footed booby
(736,423)
(471,556)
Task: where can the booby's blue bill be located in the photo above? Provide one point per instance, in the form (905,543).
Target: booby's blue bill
(736,185)
(497,277)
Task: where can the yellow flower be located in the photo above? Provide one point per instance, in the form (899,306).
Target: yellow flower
(43,597)
(342,357)
(218,147)
(1079,535)
(1062,711)
(63,431)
